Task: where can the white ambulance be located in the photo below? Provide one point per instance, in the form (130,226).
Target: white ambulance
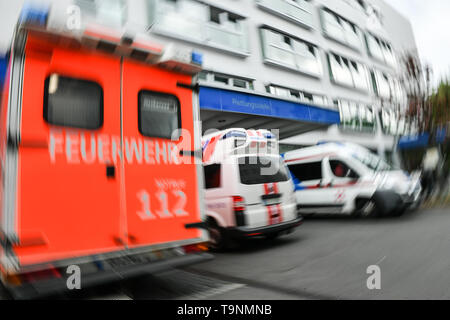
(249,192)
(346,178)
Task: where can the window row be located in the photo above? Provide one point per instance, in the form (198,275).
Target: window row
(356,116)
(299,95)
(78,103)
(340,29)
(206,24)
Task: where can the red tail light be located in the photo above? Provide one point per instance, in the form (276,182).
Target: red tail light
(238,204)
(239,210)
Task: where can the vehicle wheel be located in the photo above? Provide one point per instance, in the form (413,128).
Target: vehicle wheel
(399,212)
(217,237)
(368,209)
(4,294)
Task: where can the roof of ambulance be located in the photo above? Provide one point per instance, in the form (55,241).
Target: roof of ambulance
(322,149)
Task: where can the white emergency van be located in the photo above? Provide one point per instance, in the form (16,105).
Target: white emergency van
(249,192)
(346,178)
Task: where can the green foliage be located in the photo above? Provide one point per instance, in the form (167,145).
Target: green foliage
(440,103)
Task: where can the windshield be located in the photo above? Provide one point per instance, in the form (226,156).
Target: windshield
(260,170)
(373,161)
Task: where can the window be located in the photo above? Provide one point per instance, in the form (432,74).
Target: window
(159,114)
(356,116)
(360,76)
(298,11)
(259,170)
(201,23)
(388,87)
(228,80)
(110,12)
(341,170)
(374,47)
(212,176)
(307,171)
(340,29)
(221,79)
(240,83)
(380,50)
(287,51)
(303,96)
(73,102)
(340,71)
(347,72)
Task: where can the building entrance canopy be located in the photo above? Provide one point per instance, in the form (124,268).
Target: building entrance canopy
(222,109)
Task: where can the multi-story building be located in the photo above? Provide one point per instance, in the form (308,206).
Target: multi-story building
(292,65)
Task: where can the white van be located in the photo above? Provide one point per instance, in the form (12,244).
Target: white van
(346,178)
(249,192)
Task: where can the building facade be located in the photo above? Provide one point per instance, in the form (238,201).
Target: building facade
(341,56)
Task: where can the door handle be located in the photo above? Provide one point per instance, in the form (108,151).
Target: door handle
(192,153)
(110,172)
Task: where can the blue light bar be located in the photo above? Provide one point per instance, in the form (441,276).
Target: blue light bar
(197,58)
(33,14)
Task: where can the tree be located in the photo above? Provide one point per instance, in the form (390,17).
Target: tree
(440,104)
(416,79)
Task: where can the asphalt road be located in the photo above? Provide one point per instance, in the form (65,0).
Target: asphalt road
(326,258)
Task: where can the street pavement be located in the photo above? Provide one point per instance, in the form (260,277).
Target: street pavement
(325,258)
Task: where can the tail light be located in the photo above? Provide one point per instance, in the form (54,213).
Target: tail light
(239,210)
(192,248)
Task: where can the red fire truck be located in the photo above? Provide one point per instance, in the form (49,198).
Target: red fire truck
(98,135)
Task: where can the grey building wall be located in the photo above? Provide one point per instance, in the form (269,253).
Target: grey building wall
(395,29)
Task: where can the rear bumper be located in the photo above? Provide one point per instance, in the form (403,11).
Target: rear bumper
(42,288)
(244,232)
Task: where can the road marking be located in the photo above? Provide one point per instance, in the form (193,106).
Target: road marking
(212,292)
(381,260)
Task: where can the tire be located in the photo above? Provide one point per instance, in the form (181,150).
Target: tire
(217,237)
(4,294)
(399,212)
(367,208)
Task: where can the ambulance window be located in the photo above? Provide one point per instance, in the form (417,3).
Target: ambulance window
(159,114)
(259,170)
(341,170)
(212,176)
(307,171)
(73,102)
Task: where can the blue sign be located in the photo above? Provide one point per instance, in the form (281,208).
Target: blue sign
(421,140)
(3,68)
(231,101)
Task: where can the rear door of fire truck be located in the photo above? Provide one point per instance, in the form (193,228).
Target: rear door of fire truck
(69,154)
(161,173)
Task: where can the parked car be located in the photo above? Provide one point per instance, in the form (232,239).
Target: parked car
(249,192)
(344,178)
